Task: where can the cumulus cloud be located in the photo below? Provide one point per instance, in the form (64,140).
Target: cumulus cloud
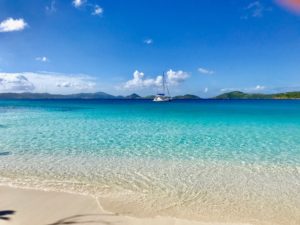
(15,83)
(10,25)
(205,71)
(176,77)
(46,82)
(97,10)
(139,81)
(78,3)
(148,41)
(42,59)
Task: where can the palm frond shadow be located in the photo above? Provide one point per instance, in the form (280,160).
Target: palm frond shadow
(5,213)
(85,218)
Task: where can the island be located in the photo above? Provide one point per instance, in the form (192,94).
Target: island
(134,96)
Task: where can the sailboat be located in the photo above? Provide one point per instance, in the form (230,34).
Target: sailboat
(162,97)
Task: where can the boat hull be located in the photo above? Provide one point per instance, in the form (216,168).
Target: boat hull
(162,99)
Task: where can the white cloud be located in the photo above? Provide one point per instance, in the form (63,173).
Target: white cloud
(176,77)
(205,71)
(46,82)
(139,81)
(51,8)
(97,10)
(248,89)
(205,90)
(148,41)
(42,59)
(78,3)
(259,87)
(256,9)
(15,83)
(230,89)
(10,25)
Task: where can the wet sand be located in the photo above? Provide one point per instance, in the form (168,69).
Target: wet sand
(34,207)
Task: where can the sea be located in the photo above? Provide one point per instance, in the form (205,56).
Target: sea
(207,160)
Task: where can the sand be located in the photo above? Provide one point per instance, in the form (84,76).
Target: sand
(35,207)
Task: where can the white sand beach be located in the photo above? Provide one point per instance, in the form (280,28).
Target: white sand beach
(34,207)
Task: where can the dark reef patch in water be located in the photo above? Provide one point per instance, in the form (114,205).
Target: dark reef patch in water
(5,153)
(65,109)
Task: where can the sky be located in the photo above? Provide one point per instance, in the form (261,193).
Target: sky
(121,47)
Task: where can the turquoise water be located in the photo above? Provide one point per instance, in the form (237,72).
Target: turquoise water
(192,159)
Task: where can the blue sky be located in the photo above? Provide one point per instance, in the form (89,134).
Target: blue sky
(123,46)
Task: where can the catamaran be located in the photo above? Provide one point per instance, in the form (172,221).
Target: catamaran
(162,97)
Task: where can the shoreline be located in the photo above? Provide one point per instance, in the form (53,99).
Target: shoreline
(235,207)
(20,206)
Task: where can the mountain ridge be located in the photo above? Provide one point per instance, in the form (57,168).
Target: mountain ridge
(134,96)
(243,95)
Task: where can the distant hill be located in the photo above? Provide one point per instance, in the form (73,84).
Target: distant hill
(242,95)
(133,96)
(103,95)
(186,97)
(287,95)
(97,95)
(149,97)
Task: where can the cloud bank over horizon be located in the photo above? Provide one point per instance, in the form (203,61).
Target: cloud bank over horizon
(257,88)
(44,82)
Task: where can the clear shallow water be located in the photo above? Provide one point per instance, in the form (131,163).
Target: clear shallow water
(209,160)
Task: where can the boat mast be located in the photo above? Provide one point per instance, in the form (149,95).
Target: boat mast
(165,85)
(163,82)
(168,91)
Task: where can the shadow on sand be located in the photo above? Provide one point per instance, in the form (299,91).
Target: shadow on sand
(87,219)
(5,213)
